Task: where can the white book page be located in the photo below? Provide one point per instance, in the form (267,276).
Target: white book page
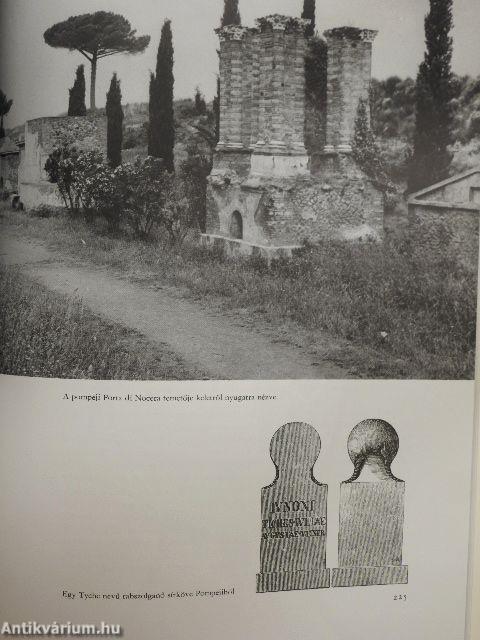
(109,498)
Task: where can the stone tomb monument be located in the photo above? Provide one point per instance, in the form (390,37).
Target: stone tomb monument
(371,511)
(294,515)
(283,169)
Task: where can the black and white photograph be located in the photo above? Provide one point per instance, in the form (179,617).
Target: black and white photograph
(239,258)
(229,190)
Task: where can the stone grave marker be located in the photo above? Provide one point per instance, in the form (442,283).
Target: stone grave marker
(371,511)
(294,515)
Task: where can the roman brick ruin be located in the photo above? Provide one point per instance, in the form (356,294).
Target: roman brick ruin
(283,173)
(42,136)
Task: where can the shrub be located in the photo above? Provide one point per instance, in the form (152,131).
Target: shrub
(366,151)
(178,215)
(150,197)
(140,188)
(142,193)
(60,167)
(95,185)
(86,183)
(194,172)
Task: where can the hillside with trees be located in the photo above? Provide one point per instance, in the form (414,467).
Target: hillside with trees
(393,122)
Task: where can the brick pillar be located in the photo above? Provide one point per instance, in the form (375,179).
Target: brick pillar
(348,80)
(254,43)
(249,87)
(231,86)
(265,63)
(277,95)
(295,80)
(281,117)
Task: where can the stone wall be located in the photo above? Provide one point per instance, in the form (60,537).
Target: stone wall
(42,136)
(448,230)
(335,202)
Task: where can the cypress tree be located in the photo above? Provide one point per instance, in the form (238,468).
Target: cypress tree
(433,94)
(114,122)
(308,13)
(76,102)
(216,111)
(161,139)
(231,14)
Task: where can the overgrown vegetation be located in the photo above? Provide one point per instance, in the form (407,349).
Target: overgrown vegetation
(316,72)
(366,151)
(141,195)
(49,335)
(393,123)
(404,315)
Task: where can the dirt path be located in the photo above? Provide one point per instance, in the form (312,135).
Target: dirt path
(221,346)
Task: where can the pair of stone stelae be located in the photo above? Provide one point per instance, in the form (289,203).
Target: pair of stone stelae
(294,513)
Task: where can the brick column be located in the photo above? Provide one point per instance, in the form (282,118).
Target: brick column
(249,87)
(254,42)
(281,118)
(277,96)
(297,82)
(348,80)
(265,63)
(231,86)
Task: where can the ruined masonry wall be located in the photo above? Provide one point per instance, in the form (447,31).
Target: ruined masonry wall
(338,202)
(446,231)
(42,136)
(331,207)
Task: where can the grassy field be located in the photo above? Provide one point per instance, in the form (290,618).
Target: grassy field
(49,335)
(390,313)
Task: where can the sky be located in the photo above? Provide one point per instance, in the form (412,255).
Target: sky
(37,76)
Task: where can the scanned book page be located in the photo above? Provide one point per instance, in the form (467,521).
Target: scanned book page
(147,514)
(239,276)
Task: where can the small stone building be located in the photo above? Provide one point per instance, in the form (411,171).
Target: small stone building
(42,136)
(444,218)
(267,192)
(9,162)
